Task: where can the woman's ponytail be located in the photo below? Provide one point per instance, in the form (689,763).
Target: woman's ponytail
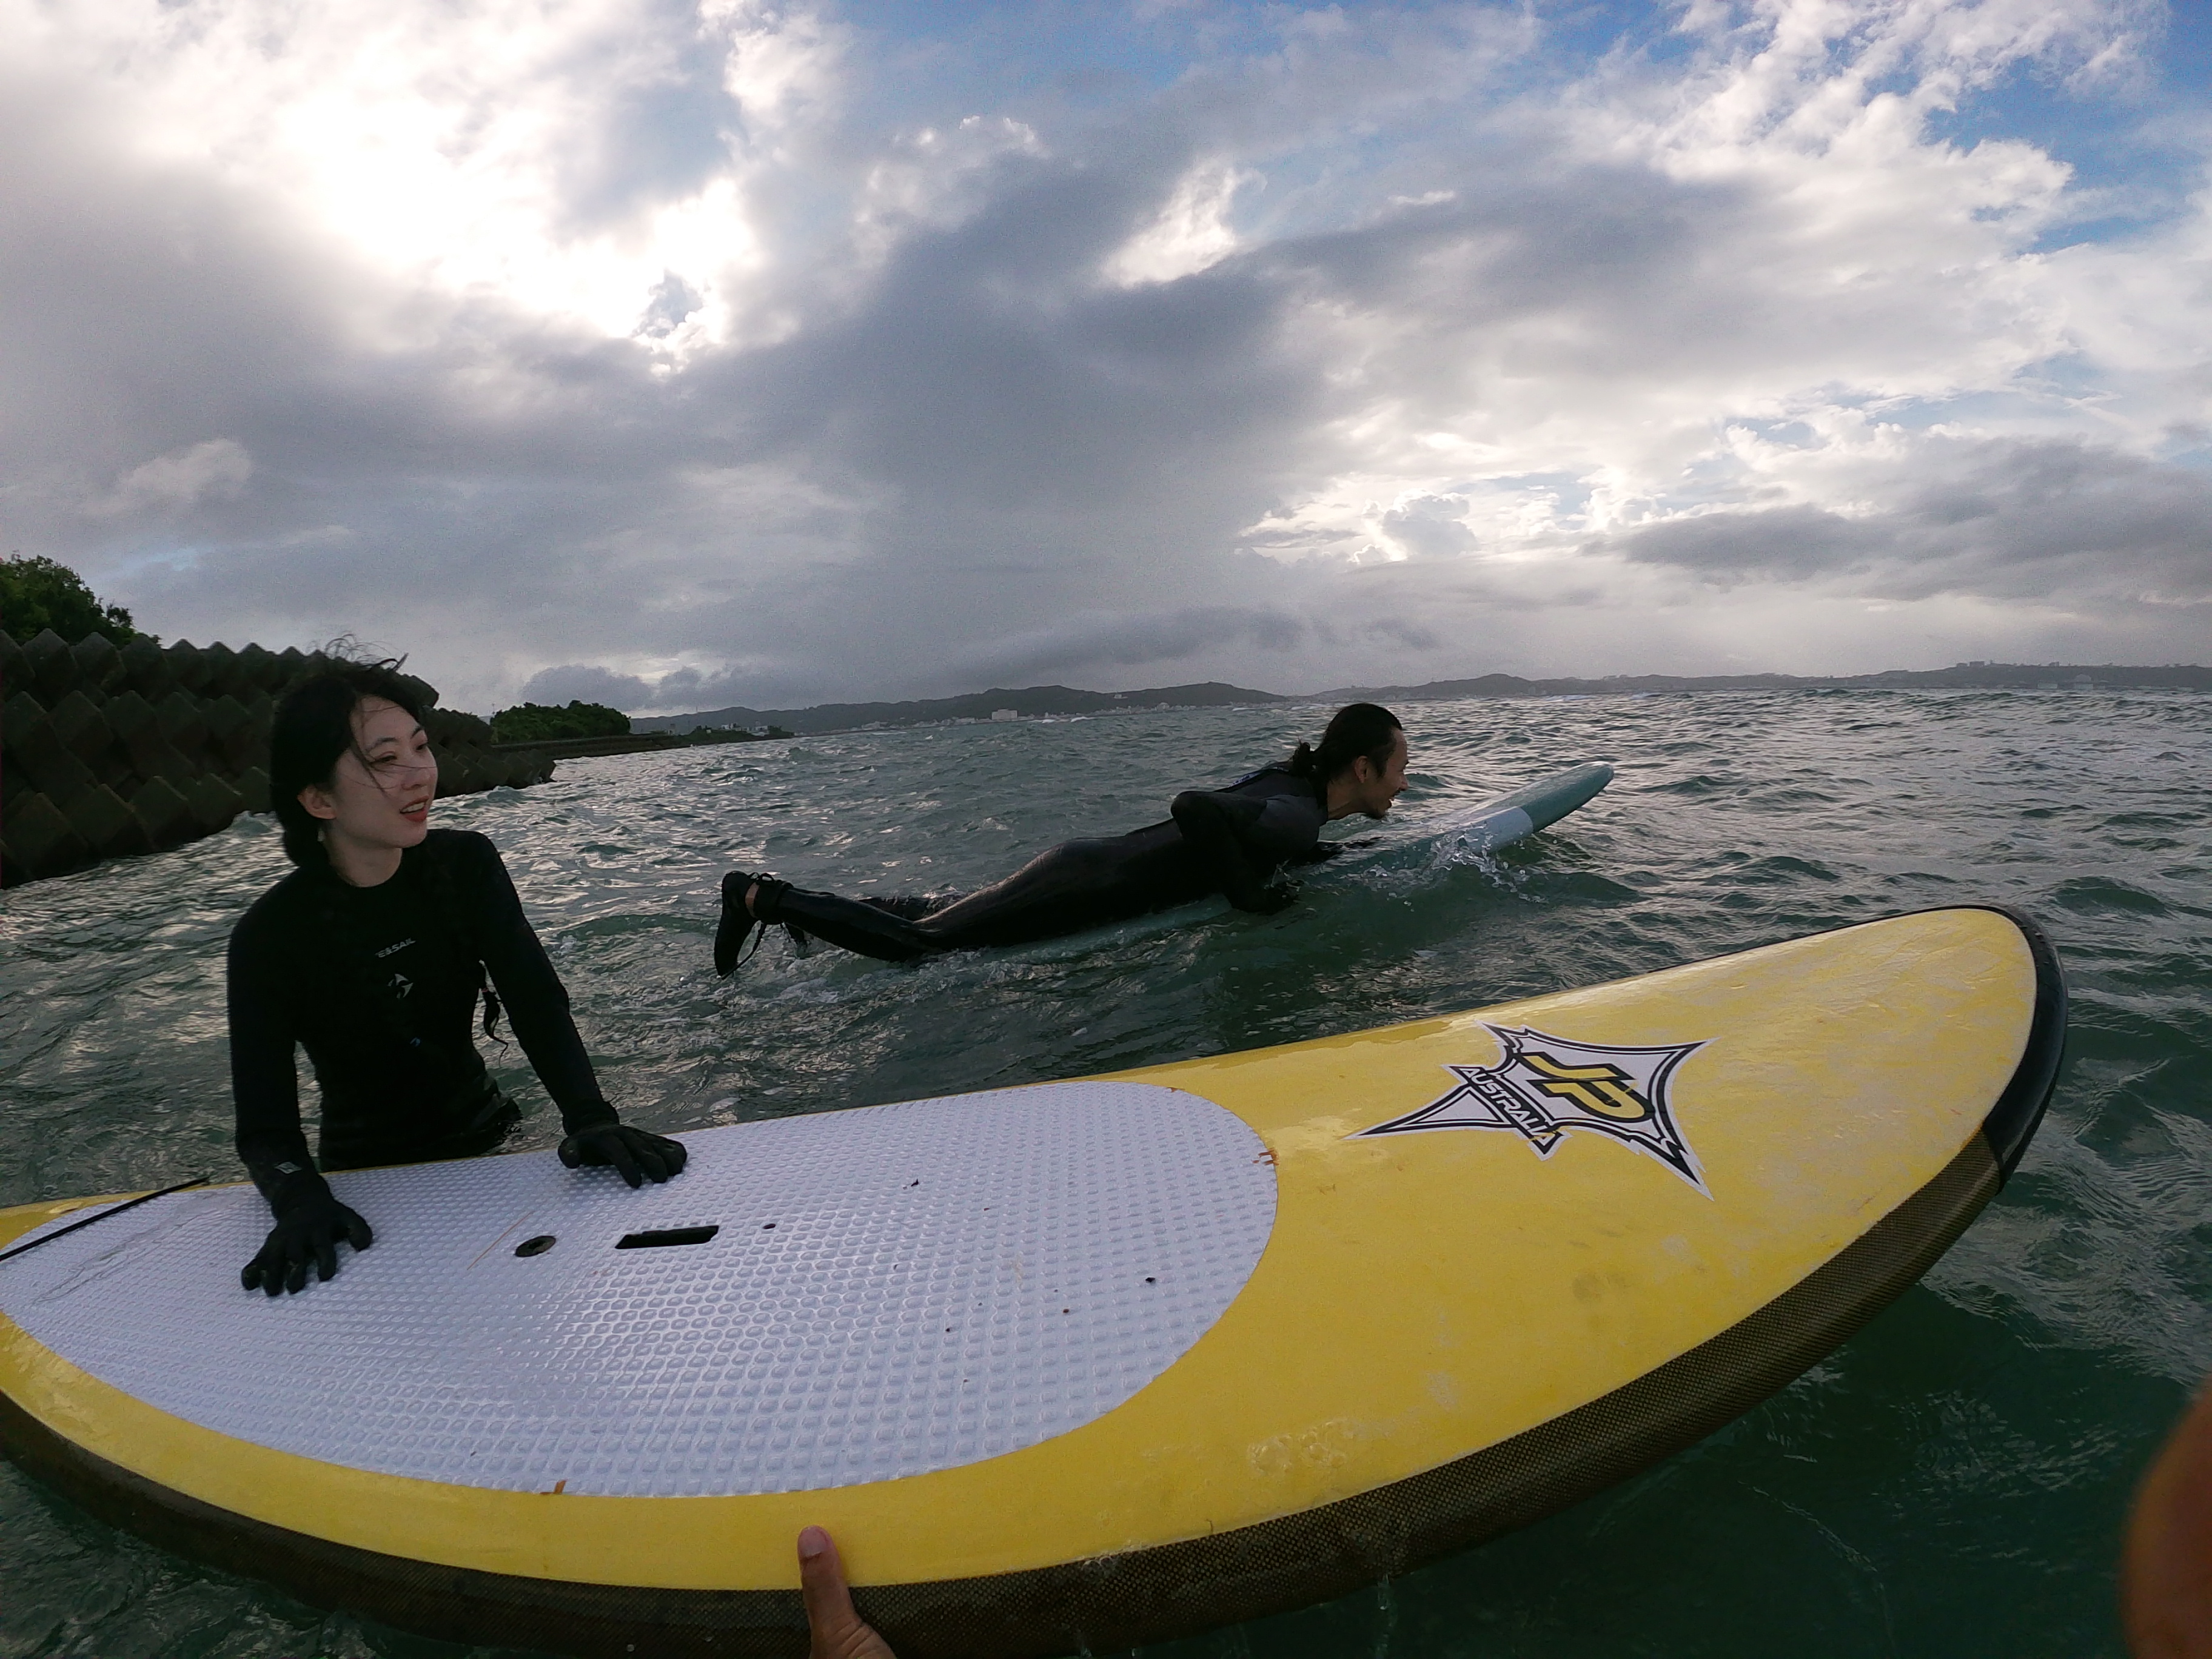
(1301,763)
(1358,731)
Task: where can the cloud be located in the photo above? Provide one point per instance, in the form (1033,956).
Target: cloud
(1192,231)
(1431,525)
(1995,518)
(581,683)
(1775,542)
(2031,518)
(1142,641)
(217,468)
(651,352)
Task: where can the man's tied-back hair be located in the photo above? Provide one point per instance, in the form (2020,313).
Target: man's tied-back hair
(313,730)
(1357,730)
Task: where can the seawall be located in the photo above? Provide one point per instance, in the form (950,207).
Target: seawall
(108,752)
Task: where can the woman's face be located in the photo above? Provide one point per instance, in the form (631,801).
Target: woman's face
(379,793)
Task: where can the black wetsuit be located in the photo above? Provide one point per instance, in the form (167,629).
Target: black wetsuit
(1228,841)
(380,984)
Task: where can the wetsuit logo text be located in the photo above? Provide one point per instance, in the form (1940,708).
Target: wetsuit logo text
(1546,1087)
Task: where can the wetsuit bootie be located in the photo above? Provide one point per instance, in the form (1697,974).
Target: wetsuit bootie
(769,910)
(869,927)
(738,923)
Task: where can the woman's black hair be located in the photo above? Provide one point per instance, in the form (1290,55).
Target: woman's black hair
(313,731)
(1357,730)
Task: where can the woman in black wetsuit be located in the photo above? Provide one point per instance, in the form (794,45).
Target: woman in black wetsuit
(370,955)
(1234,842)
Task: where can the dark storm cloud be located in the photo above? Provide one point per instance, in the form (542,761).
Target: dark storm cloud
(2054,518)
(1037,445)
(987,371)
(2025,519)
(1781,541)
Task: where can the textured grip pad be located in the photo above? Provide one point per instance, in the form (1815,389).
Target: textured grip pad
(887,1292)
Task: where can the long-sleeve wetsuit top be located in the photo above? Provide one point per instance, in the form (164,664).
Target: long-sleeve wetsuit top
(1217,840)
(379,984)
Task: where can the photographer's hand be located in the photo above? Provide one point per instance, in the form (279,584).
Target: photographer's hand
(837,1629)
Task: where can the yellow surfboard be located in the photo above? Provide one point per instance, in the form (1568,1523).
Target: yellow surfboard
(1081,1364)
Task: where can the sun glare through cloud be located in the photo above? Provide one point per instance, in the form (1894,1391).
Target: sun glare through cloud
(559,160)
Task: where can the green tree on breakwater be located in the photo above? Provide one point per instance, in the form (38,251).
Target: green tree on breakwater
(37,593)
(537,722)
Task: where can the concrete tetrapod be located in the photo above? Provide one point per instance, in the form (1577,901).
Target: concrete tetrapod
(213,803)
(145,667)
(106,823)
(53,669)
(166,818)
(39,839)
(99,664)
(188,666)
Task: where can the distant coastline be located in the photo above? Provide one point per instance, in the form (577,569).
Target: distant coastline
(1033,702)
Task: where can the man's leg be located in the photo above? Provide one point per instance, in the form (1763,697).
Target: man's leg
(1064,890)
(866,929)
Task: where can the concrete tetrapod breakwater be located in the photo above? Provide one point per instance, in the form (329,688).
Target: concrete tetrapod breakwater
(106,752)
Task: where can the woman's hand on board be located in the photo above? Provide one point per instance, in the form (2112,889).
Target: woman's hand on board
(637,1155)
(309,1229)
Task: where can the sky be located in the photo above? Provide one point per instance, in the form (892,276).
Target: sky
(683,354)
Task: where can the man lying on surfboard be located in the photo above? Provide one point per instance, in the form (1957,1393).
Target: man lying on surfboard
(1234,842)
(370,955)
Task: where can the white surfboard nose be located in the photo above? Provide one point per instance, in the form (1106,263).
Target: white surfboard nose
(1502,821)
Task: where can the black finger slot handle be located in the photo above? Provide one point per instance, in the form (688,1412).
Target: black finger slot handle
(664,1237)
(537,1246)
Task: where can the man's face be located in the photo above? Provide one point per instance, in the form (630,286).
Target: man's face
(1373,788)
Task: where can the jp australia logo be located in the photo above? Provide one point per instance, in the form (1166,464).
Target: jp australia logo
(1546,1086)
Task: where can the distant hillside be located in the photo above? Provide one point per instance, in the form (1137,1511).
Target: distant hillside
(974,705)
(1965,676)
(1214,694)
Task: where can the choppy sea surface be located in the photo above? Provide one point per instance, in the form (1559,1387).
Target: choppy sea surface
(1952,1482)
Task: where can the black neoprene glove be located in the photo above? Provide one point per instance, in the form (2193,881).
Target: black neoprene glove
(1278,894)
(637,1155)
(310,1222)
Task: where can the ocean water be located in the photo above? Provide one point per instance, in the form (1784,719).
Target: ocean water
(1952,1482)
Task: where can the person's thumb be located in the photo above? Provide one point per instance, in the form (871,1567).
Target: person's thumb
(836,1627)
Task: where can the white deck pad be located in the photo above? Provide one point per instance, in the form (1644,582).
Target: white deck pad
(890,1290)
